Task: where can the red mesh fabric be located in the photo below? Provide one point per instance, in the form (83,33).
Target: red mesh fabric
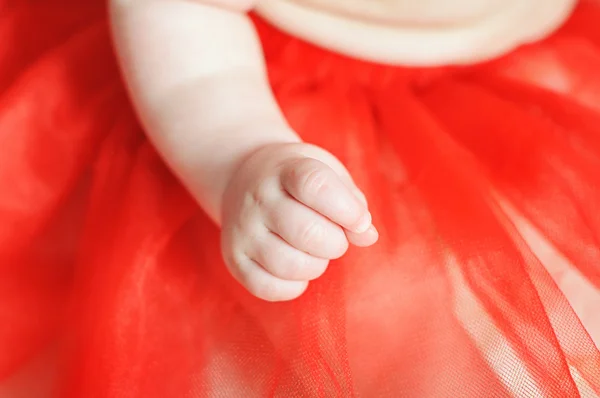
(483,182)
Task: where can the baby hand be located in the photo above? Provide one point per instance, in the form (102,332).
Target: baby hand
(288,210)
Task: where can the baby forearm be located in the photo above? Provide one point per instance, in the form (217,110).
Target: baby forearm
(197,78)
(207,129)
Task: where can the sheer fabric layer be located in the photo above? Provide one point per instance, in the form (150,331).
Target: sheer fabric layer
(483,182)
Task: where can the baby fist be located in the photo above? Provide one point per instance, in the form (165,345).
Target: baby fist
(288,210)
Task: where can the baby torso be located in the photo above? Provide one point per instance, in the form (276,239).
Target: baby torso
(418,32)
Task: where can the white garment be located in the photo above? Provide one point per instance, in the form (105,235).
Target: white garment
(418,32)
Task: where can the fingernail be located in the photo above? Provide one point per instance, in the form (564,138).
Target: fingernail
(372,230)
(372,235)
(364,223)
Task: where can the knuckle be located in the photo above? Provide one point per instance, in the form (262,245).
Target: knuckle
(313,180)
(295,266)
(258,197)
(269,258)
(312,233)
(283,263)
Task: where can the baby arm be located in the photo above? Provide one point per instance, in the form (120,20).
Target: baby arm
(196,74)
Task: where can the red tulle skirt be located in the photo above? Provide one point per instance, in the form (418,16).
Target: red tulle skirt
(483,181)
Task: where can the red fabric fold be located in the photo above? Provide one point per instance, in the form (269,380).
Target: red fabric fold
(111,279)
